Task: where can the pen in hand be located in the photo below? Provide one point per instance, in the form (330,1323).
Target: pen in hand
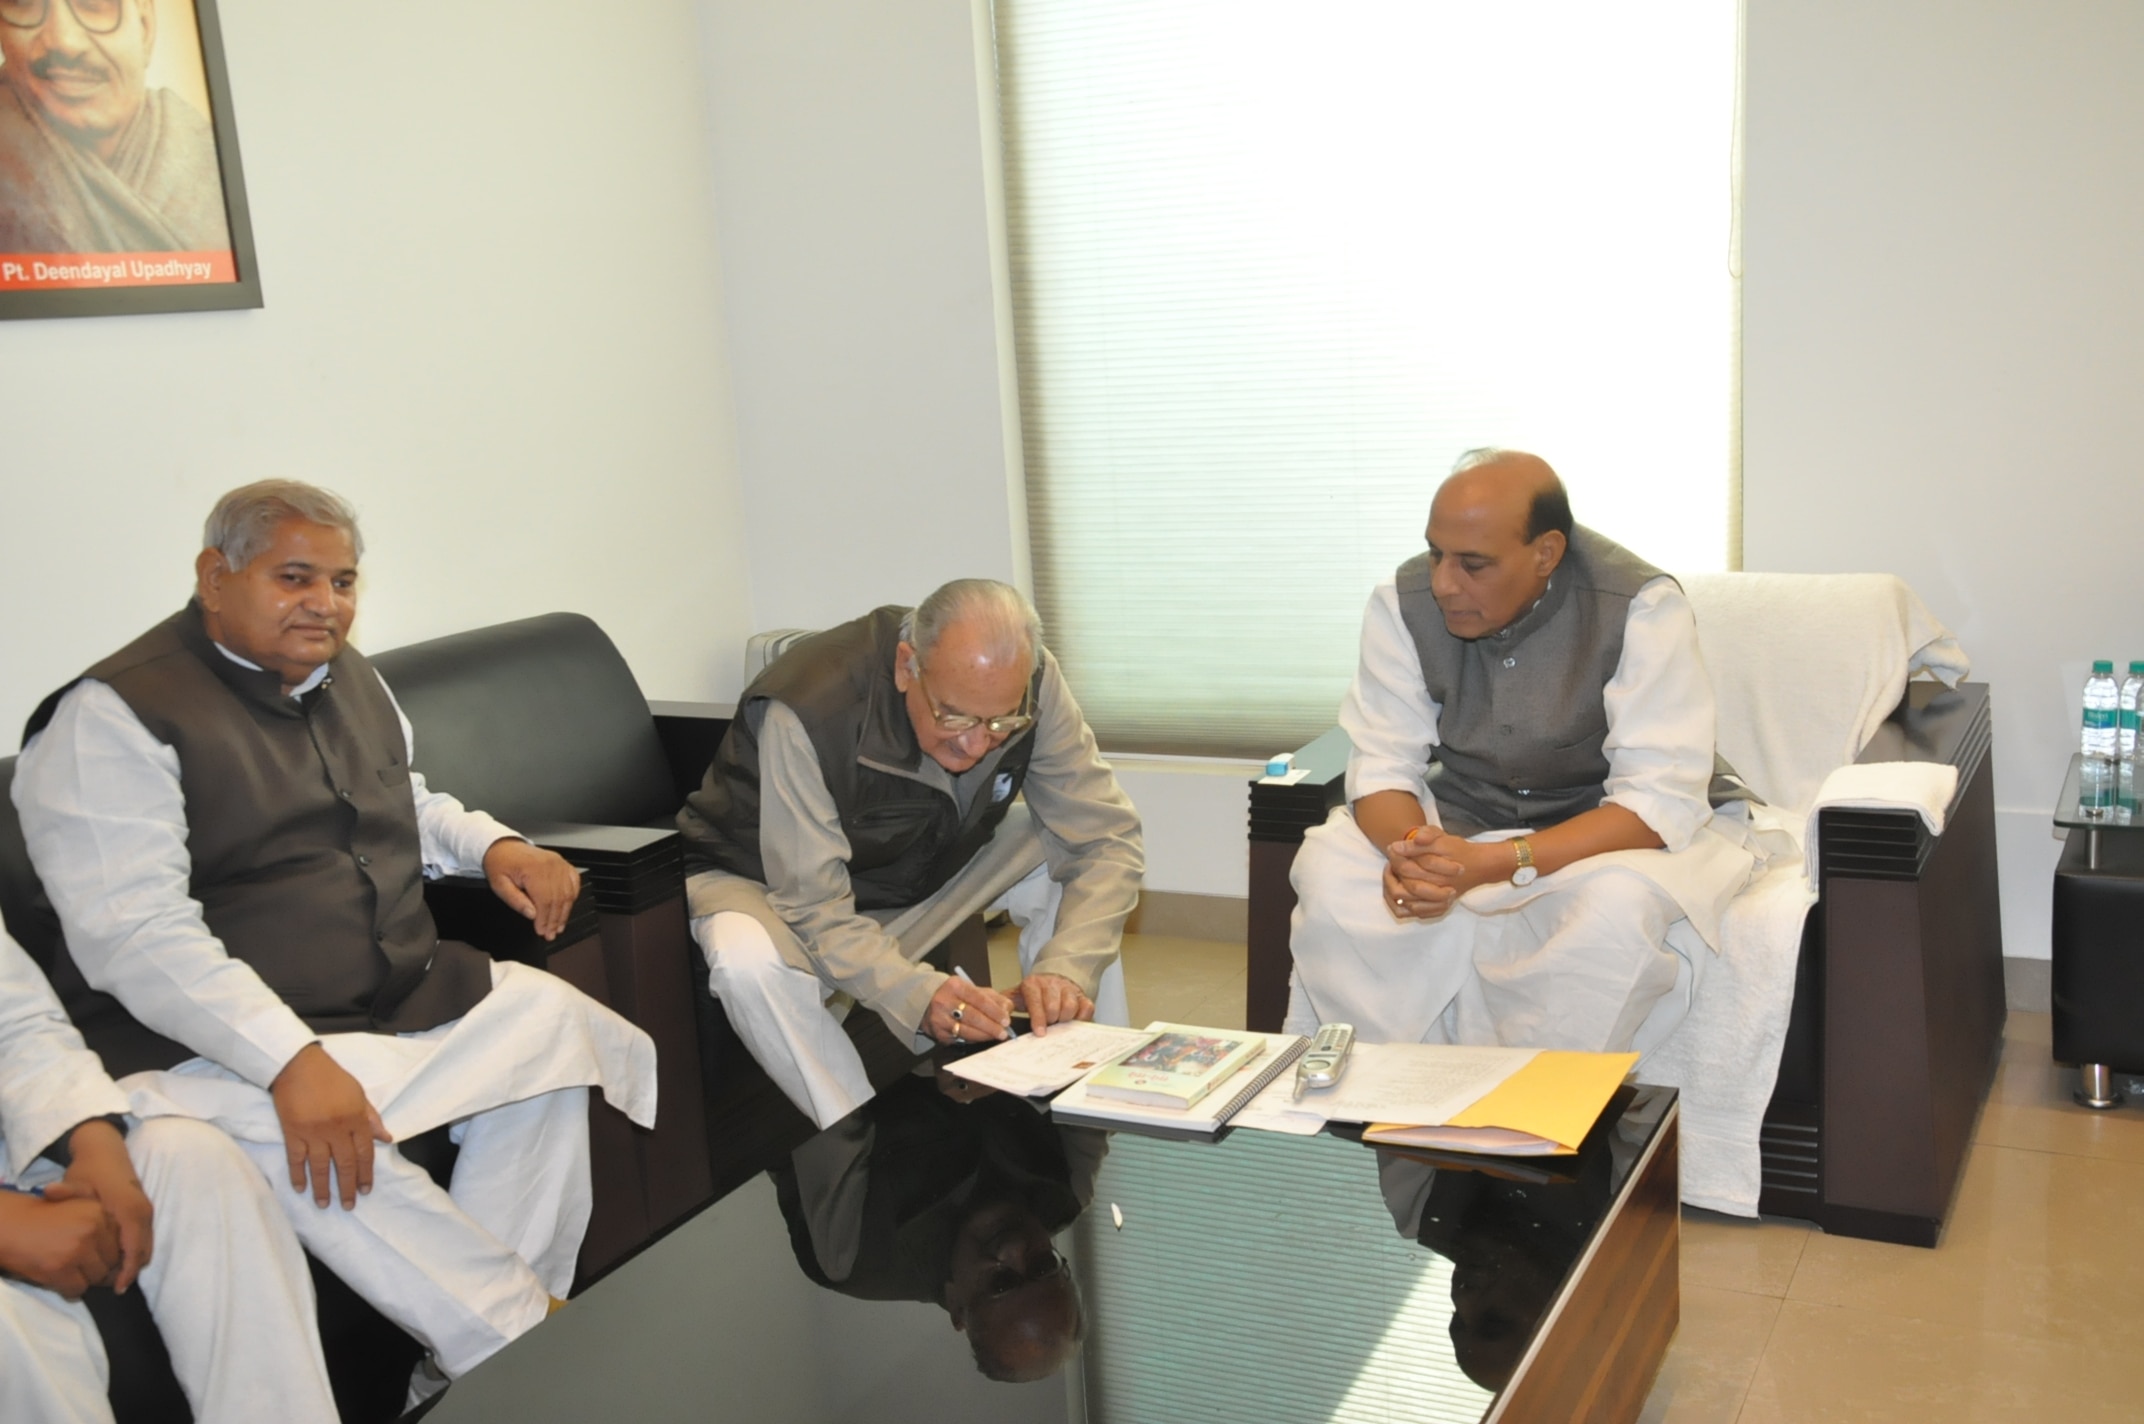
(1013,1009)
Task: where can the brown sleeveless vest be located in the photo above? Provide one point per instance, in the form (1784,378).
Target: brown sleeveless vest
(302,827)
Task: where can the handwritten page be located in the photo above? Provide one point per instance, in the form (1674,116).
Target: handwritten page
(1032,1066)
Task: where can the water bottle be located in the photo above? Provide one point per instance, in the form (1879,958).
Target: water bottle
(2100,716)
(2125,724)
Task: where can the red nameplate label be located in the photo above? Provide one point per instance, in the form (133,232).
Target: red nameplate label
(47,271)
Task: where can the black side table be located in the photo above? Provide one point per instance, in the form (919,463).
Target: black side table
(2098,970)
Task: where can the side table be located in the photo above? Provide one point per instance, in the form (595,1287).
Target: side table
(2098,931)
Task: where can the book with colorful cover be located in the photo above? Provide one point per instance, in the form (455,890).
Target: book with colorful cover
(1225,1087)
(1177,1067)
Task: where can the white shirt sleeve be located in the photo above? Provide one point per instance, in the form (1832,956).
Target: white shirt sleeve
(105,820)
(49,1081)
(1662,720)
(451,838)
(1388,713)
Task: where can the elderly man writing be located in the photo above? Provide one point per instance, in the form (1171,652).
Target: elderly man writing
(226,819)
(1529,855)
(863,804)
(91,158)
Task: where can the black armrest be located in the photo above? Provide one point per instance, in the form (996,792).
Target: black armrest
(1932,723)
(1281,814)
(690,732)
(464,908)
(626,868)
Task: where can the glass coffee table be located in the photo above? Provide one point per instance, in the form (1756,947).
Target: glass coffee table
(955,1255)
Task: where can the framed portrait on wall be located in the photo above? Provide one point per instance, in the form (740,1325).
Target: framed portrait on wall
(120,185)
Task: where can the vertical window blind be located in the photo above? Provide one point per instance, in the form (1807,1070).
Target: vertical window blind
(1276,263)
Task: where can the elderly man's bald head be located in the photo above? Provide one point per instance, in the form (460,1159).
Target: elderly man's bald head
(1497,530)
(1516,473)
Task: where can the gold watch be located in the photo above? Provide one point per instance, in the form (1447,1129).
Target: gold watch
(1526,873)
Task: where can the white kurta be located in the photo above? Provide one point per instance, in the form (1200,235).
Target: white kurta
(464,1270)
(226,1283)
(1579,959)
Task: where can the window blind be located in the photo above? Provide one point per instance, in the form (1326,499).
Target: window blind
(1276,263)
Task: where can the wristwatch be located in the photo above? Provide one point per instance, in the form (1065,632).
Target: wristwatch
(1526,873)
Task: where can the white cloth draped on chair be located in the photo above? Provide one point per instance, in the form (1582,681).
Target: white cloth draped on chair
(1805,668)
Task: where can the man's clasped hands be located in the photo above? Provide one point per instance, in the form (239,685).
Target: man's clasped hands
(1428,869)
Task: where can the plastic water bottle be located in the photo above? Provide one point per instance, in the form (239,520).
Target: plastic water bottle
(2125,724)
(2100,714)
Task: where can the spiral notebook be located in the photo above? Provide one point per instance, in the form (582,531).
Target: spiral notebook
(1202,1121)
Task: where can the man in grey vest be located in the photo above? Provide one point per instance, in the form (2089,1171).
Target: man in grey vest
(883,781)
(1529,854)
(226,819)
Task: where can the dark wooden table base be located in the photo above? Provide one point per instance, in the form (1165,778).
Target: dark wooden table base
(1610,1329)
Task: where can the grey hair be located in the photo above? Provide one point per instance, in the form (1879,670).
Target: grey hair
(1005,617)
(244,521)
(1481,455)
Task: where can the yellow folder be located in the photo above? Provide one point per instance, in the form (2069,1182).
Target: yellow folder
(1556,1097)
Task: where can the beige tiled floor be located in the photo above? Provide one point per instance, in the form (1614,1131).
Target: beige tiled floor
(2032,1307)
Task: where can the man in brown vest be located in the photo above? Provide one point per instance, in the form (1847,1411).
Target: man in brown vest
(1530,854)
(884,780)
(225,817)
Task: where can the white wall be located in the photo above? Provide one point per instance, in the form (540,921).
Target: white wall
(852,148)
(1944,340)
(487,246)
(847,145)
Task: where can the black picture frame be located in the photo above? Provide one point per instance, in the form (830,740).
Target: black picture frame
(241,294)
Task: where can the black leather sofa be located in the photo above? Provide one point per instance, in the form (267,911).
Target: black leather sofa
(541,723)
(369,1359)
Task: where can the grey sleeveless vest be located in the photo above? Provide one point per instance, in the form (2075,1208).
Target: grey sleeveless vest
(302,828)
(1521,725)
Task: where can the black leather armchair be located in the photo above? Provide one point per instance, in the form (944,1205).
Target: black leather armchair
(541,723)
(368,1357)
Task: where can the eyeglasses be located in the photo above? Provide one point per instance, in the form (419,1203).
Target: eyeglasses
(956,723)
(99,17)
(1004,1279)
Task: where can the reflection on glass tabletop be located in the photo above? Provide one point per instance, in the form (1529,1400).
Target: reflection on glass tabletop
(942,1256)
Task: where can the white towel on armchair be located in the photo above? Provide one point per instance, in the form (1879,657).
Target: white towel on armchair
(1805,668)
(1925,787)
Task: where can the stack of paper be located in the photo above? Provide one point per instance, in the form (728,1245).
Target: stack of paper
(1035,1066)
(1509,1101)
(1514,1101)
(1202,1120)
